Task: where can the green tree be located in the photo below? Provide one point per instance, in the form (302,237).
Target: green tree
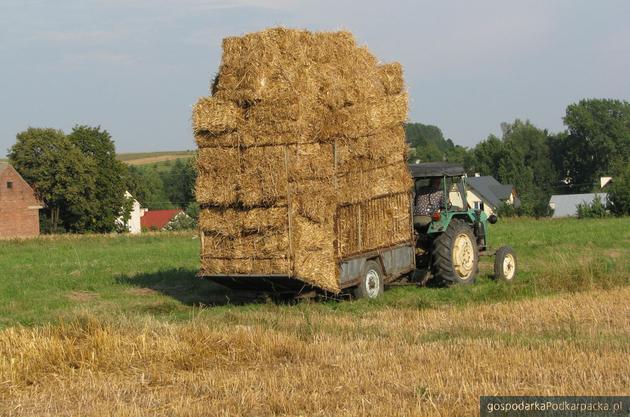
(522,157)
(179,182)
(147,186)
(106,200)
(598,134)
(428,144)
(619,191)
(57,170)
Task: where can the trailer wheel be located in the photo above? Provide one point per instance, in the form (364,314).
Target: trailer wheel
(455,254)
(372,284)
(505,264)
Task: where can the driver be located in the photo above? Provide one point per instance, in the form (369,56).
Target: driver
(428,200)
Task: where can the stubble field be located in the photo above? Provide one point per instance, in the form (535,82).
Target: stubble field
(99,325)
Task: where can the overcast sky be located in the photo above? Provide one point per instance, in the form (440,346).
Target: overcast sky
(135,67)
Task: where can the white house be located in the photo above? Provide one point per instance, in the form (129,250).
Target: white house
(133,224)
(485,193)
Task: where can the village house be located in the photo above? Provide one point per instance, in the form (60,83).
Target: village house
(159,219)
(487,194)
(134,224)
(19,206)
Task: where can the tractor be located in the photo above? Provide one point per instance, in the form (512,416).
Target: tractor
(450,242)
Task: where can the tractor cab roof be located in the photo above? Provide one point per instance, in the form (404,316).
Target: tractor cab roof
(436,169)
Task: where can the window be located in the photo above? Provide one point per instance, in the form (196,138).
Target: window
(9,184)
(478,205)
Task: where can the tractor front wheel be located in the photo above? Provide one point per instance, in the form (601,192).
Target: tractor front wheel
(505,264)
(455,254)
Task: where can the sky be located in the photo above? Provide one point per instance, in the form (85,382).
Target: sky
(135,67)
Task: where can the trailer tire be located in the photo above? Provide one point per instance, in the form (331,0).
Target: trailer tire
(372,281)
(455,254)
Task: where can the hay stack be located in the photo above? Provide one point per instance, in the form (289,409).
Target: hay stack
(302,158)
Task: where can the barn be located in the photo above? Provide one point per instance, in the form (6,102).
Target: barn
(19,207)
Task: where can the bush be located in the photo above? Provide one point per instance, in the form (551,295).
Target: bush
(181,222)
(593,210)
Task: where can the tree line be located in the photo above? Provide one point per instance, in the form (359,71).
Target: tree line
(540,163)
(82,184)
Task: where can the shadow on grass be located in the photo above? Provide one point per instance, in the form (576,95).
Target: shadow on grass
(184,286)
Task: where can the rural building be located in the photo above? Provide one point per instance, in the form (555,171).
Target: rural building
(159,219)
(487,194)
(566,205)
(134,224)
(19,207)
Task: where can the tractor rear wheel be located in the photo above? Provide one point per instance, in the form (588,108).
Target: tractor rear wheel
(455,254)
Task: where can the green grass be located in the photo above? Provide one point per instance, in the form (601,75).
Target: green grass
(52,278)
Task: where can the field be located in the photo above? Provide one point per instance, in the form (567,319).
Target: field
(119,325)
(146,158)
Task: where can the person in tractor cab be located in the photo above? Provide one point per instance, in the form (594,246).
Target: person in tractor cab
(428,200)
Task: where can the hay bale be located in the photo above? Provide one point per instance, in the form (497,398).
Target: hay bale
(233,222)
(218,173)
(214,116)
(391,77)
(317,138)
(355,187)
(374,224)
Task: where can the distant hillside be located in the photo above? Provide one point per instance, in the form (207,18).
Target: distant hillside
(146,158)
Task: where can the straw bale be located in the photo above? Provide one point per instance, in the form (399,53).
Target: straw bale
(232,222)
(315,200)
(374,224)
(264,177)
(314,253)
(385,147)
(360,186)
(391,77)
(268,244)
(311,161)
(210,140)
(229,266)
(213,116)
(218,173)
(365,119)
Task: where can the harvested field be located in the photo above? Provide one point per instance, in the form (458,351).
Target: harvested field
(309,122)
(394,363)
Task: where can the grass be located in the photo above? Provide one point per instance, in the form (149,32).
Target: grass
(116,325)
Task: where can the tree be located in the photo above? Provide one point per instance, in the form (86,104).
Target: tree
(522,157)
(179,182)
(57,170)
(428,144)
(619,191)
(147,186)
(105,201)
(598,134)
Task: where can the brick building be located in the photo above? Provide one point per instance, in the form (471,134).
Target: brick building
(19,208)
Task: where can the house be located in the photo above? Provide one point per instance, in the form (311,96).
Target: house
(566,205)
(134,224)
(487,194)
(159,219)
(19,206)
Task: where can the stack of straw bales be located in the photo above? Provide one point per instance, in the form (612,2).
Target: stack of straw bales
(302,157)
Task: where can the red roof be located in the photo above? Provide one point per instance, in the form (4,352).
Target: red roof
(157,219)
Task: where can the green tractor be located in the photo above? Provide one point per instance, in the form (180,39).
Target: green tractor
(451,237)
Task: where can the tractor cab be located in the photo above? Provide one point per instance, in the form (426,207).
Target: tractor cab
(450,235)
